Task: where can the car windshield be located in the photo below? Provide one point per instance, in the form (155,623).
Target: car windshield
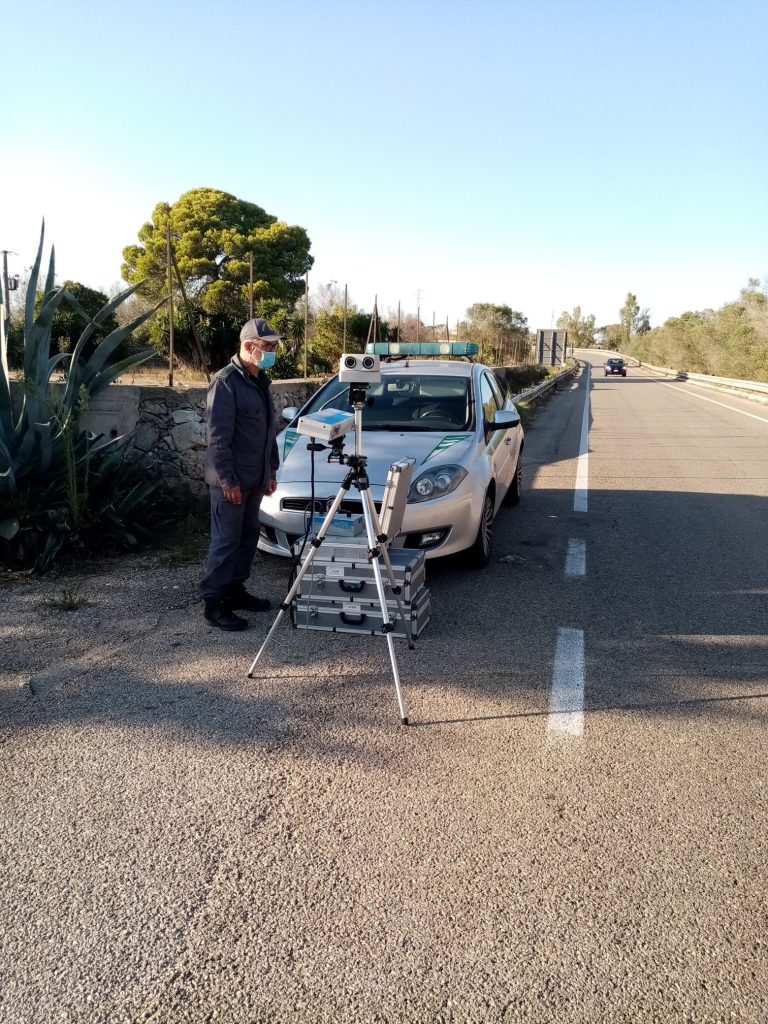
(414,402)
(615,362)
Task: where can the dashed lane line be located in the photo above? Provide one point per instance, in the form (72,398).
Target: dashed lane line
(566,700)
(576,558)
(582,465)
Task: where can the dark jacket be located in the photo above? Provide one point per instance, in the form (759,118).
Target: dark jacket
(241,430)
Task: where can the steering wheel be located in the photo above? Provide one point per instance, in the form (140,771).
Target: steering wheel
(431,413)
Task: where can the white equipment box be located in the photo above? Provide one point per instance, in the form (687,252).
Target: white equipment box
(328,425)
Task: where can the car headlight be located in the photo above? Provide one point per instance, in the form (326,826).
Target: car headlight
(436,482)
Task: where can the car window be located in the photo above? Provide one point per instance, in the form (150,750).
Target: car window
(414,402)
(488,398)
(496,390)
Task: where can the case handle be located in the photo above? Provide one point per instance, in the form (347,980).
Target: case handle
(352,620)
(352,586)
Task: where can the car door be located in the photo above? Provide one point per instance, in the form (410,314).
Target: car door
(513,437)
(497,441)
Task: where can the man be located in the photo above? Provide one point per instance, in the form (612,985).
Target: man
(240,468)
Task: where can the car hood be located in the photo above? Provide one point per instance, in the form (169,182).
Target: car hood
(381,448)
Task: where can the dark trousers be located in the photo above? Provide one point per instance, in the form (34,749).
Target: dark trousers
(234,536)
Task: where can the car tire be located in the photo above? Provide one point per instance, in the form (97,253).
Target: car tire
(624,373)
(479,554)
(515,491)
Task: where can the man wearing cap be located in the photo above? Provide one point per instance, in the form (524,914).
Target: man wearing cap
(240,468)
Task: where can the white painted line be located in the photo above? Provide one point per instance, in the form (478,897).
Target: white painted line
(566,701)
(576,558)
(582,466)
(722,405)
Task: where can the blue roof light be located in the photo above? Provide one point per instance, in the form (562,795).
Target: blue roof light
(423,348)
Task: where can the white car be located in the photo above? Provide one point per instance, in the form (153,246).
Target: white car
(450,416)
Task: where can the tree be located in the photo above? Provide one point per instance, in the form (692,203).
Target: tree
(501,331)
(581,329)
(328,340)
(610,335)
(213,234)
(68,324)
(643,323)
(628,315)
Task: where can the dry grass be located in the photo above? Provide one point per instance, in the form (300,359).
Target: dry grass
(157,376)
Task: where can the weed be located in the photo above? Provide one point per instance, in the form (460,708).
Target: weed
(525,411)
(69,600)
(188,542)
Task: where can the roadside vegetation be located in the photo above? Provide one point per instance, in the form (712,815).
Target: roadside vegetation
(728,342)
(66,493)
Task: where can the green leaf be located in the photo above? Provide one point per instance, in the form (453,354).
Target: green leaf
(112,341)
(29,310)
(94,322)
(107,376)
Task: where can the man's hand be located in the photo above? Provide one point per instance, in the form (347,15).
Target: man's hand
(271,486)
(232,494)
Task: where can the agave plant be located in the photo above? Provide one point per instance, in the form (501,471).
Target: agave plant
(40,440)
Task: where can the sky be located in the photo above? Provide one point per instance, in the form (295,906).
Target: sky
(538,154)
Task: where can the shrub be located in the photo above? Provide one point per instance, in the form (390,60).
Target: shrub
(62,488)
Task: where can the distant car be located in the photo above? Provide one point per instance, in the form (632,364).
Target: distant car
(615,366)
(448,415)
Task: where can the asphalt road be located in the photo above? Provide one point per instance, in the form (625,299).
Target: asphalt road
(572,830)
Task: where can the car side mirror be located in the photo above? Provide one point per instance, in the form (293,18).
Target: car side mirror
(290,413)
(505,420)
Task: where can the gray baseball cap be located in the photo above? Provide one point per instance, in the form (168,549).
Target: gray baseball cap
(257,330)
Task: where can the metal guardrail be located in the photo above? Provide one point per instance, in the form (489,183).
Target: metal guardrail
(750,386)
(534,394)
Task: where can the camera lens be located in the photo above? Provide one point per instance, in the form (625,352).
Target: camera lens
(368,362)
(350,362)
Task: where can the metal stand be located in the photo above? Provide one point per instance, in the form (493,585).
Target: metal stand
(377,549)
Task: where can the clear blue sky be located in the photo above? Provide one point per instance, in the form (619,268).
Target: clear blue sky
(539,154)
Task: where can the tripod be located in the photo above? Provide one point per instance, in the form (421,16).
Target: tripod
(377,548)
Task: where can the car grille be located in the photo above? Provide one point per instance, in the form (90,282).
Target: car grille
(351,505)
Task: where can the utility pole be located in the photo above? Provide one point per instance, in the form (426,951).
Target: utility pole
(6,295)
(344,337)
(170,301)
(398,321)
(306,320)
(418,321)
(250,286)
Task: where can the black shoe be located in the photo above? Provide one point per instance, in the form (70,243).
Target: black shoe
(221,615)
(247,602)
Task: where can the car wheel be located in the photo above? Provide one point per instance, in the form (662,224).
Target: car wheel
(624,373)
(513,495)
(480,552)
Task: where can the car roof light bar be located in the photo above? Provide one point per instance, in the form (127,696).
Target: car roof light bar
(423,348)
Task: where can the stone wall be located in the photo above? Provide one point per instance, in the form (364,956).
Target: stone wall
(169,430)
(166,426)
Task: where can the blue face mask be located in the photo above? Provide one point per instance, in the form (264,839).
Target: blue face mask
(267,361)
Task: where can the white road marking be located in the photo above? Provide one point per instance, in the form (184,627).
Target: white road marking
(566,701)
(576,558)
(582,466)
(722,405)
